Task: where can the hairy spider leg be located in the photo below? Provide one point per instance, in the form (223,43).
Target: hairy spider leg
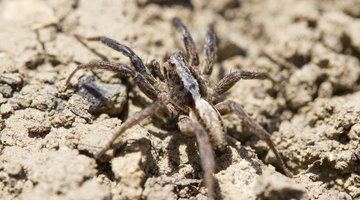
(126,51)
(124,70)
(228,81)
(188,42)
(210,50)
(231,106)
(155,70)
(186,125)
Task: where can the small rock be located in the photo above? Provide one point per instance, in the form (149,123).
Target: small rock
(64,118)
(14,79)
(5,90)
(14,169)
(6,109)
(325,90)
(38,123)
(354,133)
(128,170)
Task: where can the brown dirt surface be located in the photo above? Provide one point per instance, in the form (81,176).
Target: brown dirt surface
(49,133)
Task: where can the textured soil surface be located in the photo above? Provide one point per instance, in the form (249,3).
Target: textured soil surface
(49,133)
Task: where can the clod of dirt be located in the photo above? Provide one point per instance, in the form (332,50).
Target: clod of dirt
(14,169)
(285,43)
(39,96)
(64,118)
(333,25)
(129,168)
(275,187)
(12,79)
(71,172)
(6,109)
(341,70)
(160,188)
(236,180)
(91,137)
(131,176)
(302,86)
(5,90)
(231,45)
(25,124)
(79,106)
(38,177)
(338,72)
(326,134)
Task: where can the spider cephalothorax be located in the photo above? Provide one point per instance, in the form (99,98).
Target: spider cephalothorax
(181,91)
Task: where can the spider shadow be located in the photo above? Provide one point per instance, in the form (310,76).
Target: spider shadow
(223,159)
(242,152)
(142,145)
(173,150)
(176,158)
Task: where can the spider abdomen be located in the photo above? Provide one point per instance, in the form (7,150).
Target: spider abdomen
(210,118)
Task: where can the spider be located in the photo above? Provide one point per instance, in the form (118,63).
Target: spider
(182,91)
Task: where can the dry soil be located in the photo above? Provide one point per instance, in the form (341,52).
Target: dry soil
(49,133)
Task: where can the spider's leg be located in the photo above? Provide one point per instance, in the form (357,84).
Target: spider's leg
(188,42)
(126,51)
(124,70)
(256,128)
(228,81)
(155,70)
(210,50)
(135,119)
(188,126)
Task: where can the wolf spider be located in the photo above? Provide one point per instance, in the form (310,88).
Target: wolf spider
(182,90)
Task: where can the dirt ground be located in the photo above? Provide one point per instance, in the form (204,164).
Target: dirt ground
(49,133)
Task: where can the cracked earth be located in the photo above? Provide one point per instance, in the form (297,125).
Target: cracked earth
(49,134)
